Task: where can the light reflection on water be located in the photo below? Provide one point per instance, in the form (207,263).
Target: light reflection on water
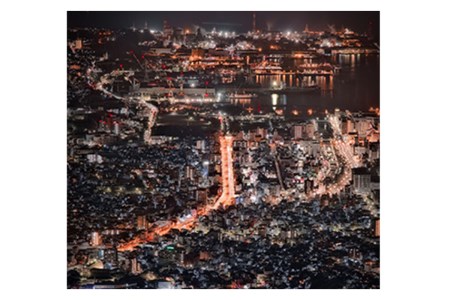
(324,82)
(354,87)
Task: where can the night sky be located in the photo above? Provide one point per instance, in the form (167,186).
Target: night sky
(229,20)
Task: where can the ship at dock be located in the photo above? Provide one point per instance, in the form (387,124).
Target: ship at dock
(243,95)
(304,87)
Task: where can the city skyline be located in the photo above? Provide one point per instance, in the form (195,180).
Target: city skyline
(208,159)
(132,185)
(239,21)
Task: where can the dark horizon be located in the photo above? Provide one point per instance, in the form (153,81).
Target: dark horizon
(239,21)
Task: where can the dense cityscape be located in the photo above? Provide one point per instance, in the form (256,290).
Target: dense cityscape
(211,156)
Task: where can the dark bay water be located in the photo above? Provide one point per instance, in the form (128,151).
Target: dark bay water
(355,87)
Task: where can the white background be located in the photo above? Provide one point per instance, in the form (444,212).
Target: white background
(414,180)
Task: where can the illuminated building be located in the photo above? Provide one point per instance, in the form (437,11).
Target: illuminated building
(361,180)
(116,128)
(95,239)
(347,126)
(135,266)
(197,53)
(377,227)
(278,170)
(141,222)
(189,172)
(200,145)
(362,126)
(297,131)
(204,255)
(94,158)
(78,44)
(309,130)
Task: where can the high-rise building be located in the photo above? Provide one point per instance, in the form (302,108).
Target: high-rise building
(135,266)
(377,227)
(96,239)
(200,145)
(361,180)
(141,222)
(297,131)
(309,130)
(189,172)
(362,126)
(116,128)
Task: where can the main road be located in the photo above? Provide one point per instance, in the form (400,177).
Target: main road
(226,154)
(225,199)
(343,150)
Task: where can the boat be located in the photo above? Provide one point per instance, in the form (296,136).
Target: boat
(296,90)
(304,88)
(242,96)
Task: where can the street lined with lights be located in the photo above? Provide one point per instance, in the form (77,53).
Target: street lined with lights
(227,197)
(199,157)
